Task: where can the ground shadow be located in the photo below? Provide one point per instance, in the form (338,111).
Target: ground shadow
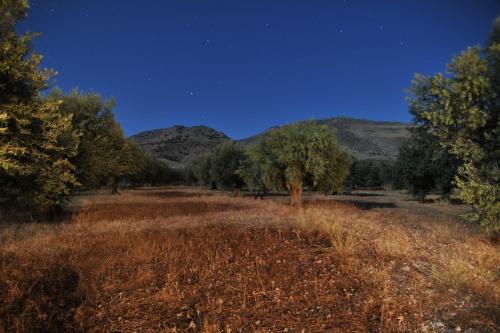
(174,194)
(455,201)
(59,214)
(266,195)
(426,200)
(364,194)
(361,204)
(48,303)
(366,205)
(151,210)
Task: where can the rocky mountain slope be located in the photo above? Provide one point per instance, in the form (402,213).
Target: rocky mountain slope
(179,145)
(364,139)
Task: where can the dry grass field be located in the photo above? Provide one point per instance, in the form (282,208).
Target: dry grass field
(189,260)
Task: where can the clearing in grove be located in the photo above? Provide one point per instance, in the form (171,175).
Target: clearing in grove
(177,259)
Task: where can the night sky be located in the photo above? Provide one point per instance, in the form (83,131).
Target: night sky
(243,66)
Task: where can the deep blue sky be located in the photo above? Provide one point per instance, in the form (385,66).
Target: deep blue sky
(243,66)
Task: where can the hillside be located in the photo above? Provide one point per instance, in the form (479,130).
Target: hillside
(179,145)
(365,139)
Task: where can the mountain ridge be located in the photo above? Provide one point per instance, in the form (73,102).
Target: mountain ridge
(179,145)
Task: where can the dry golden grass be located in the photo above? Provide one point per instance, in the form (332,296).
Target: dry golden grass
(184,259)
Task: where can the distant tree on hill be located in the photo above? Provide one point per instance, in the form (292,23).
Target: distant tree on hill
(462,112)
(291,156)
(37,141)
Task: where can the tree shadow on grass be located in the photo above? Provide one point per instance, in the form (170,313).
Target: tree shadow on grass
(175,194)
(60,214)
(151,210)
(366,205)
(365,194)
(47,302)
(361,204)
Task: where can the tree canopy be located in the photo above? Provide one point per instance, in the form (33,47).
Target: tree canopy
(221,165)
(104,154)
(51,145)
(37,141)
(424,165)
(293,156)
(461,109)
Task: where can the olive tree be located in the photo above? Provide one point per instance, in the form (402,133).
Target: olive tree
(221,165)
(37,141)
(462,111)
(302,154)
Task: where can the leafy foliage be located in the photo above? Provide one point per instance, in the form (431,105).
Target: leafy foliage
(425,165)
(201,168)
(104,154)
(462,110)
(222,165)
(251,172)
(37,141)
(371,174)
(51,145)
(157,173)
(293,156)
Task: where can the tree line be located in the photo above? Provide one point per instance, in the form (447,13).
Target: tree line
(53,144)
(286,159)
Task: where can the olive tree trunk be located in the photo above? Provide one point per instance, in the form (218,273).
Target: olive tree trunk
(295,191)
(114,186)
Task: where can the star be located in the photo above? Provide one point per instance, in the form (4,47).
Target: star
(191,93)
(341,30)
(381,27)
(401,43)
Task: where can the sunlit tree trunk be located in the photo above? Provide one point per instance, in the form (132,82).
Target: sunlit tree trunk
(295,191)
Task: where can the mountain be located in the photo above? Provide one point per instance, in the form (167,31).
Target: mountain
(364,139)
(178,146)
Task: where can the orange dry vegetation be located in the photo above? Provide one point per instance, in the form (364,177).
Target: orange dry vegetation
(179,259)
